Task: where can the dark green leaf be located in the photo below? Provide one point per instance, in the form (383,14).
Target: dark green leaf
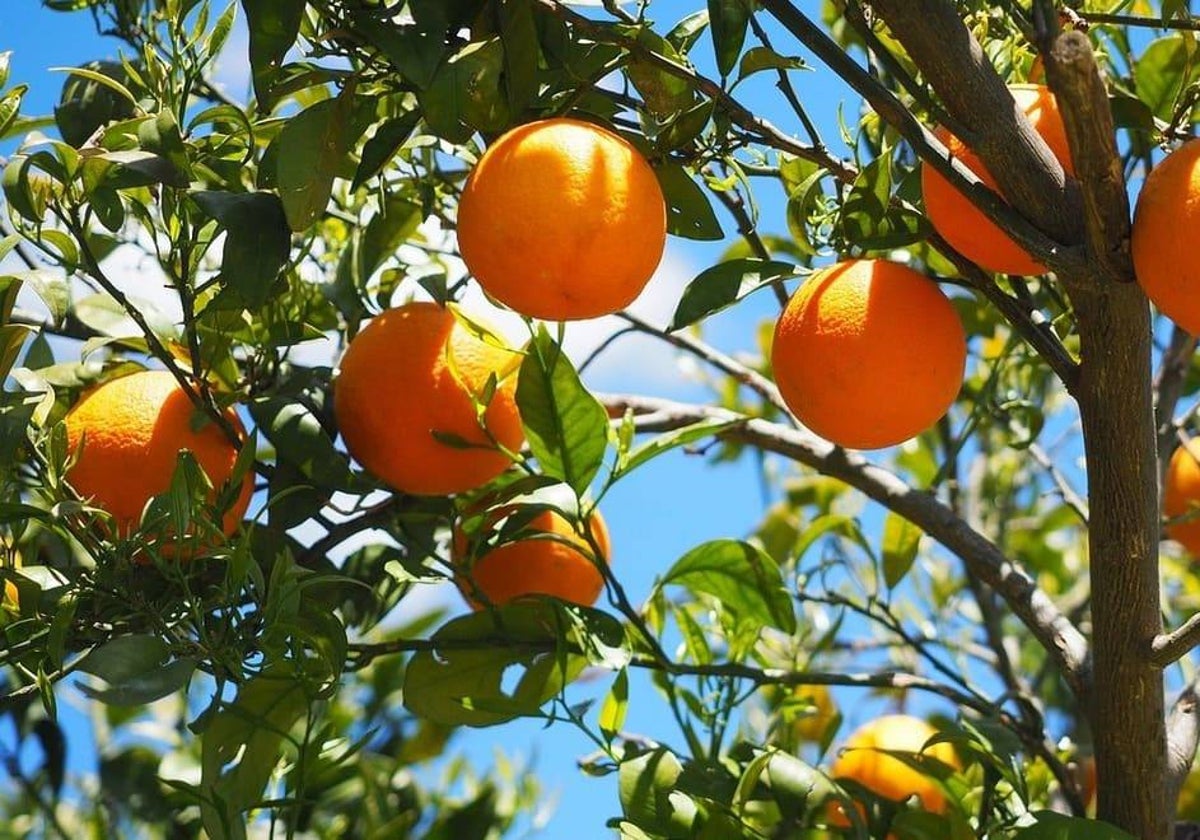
(566,426)
(689,213)
(92,97)
(313,146)
(257,240)
(1052,826)
(519,36)
(300,439)
(729,20)
(383,145)
(724,284)
(18,191)
(742,577)
(125,658)
(467,92)
(146,688)
(273,25)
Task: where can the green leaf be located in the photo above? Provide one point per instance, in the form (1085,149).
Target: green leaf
(300,439)
(741,577)
(128,169)
(383,146)
(53,288)
(467,93)
(796,785)
(18,192)
(251,729)
(461,681)
(518,34)
(93,96)
(665,93)
(273,25)
(616,704)
(125,658)
(1052,826)
(901,539)
(257,241)
(758,59)
(867,217)
(647,786)
(145,688)
(386,232)
(312,147)
(723,285)
(687,32)
(672,440)
(689,213)
(1165,67)
(729,21)
(10,108)
(566,426)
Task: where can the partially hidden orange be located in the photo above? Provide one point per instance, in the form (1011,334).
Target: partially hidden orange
(862,761)
(407,398)
(132,430)
(964,225)
(1164,255)
(868,353)
(549,557)
(1181,497)
(563,220)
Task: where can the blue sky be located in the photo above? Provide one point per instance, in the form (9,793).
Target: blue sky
(655,516)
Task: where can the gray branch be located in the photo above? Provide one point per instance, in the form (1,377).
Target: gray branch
(1061,639)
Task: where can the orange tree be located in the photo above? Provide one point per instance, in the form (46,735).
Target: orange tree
(965,562)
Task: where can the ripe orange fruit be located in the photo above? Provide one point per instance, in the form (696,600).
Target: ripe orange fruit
(964,225)
(132,430)
(885,775)
(405,401)
(1181,496)
(562,220)
(868,353)
(533,564)
(1163,256)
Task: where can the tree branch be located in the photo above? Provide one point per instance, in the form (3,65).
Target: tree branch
(1183,736)
(1061,639)
(1083,101)
(1173,646)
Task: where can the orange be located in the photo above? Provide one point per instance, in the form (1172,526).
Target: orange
(406,395)
(964,225)
(132,430)
(534,564)
(562,220)
(868,353)
(885,775)
(1164,256)
(1181,495)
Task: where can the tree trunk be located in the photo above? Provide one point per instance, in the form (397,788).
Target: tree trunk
(1126,704)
